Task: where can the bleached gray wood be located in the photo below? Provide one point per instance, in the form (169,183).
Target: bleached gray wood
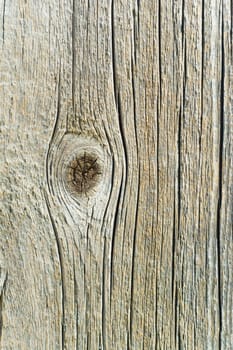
(144,259)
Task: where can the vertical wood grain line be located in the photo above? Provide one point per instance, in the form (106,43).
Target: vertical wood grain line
(73,55)
(219,207)
(3,277)
(3,21)
(61,264)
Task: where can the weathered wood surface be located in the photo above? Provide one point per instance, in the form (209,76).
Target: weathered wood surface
(144,259)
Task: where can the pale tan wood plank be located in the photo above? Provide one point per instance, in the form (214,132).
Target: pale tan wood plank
(226,177)
(142,260)
(31,46)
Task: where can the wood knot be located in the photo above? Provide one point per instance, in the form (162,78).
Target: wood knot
(79,171)
(84,173)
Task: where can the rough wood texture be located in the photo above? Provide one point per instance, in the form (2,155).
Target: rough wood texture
(139,256)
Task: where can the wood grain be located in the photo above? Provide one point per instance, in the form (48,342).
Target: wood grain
(142,260)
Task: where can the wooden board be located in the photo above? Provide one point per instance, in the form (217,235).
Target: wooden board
(116,175)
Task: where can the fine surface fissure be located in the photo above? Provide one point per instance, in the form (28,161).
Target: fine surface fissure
(114,78)
(73,55)
(103,297)
(114,229)
(3,21)
(133,260)
(3,278)
(54,131)
(61,264)
(221,140)
(76,304)
(202,68)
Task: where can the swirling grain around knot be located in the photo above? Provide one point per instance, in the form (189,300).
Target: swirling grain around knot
(80,171)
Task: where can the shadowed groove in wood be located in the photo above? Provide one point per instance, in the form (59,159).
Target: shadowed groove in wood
(3,281)
(219,206)
(61,264)
(3,21)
